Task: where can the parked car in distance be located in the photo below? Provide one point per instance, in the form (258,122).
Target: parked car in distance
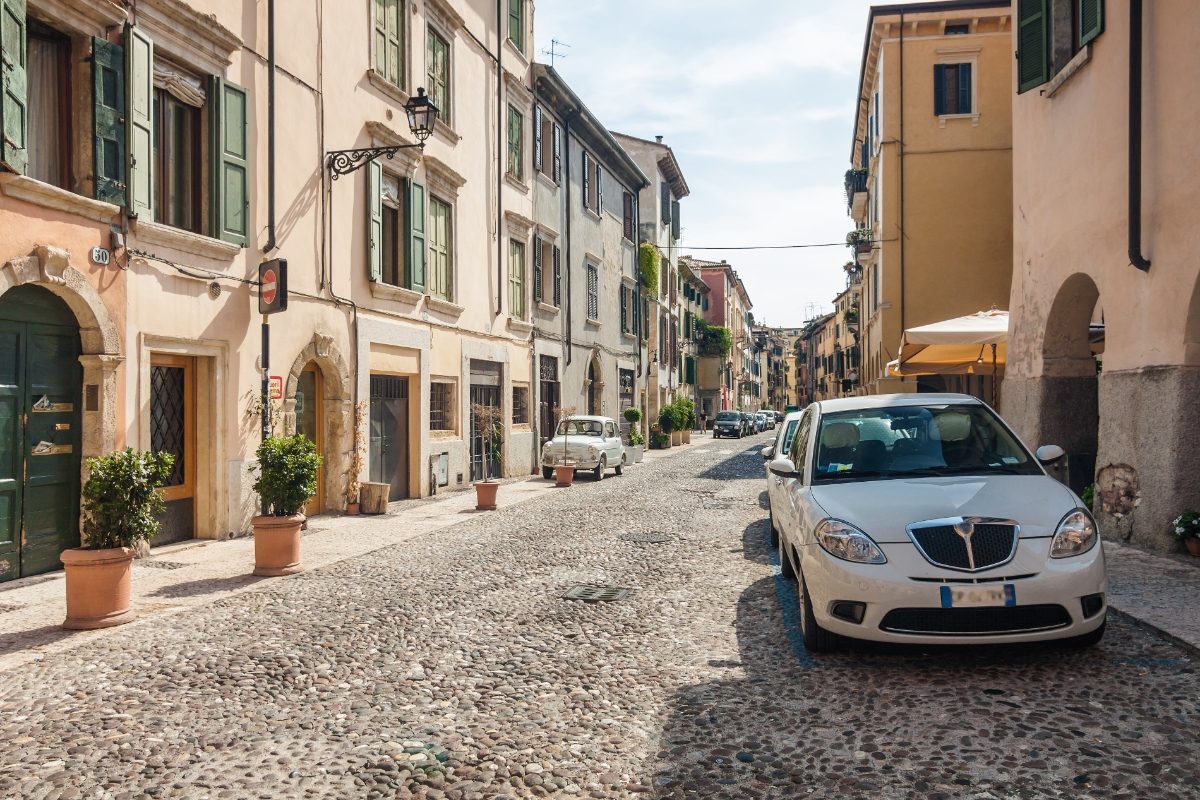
(922,518)
(586,443)
(780,416)
(728,424)
(766,420)
(748,426)
(776,484)
(772,420)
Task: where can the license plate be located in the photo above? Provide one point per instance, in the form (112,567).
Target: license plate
(967,596)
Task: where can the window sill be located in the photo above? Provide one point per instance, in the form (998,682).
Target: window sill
(942,118)
(197,244)
(548,180)
(589,212)
(385,86)
(443,306)
(595,323)
(522,427)
(511,46)
(548,309)
(1065,74)
(516,183)
(386,291)
(519,326)
(445,131)
(627,335)
(21,187)
(444,436)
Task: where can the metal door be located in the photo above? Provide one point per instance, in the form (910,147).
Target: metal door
(487,396)
(548,399)
(389,434)
(40,378)
(173,430)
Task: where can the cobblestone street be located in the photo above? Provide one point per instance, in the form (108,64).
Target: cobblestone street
(450,666)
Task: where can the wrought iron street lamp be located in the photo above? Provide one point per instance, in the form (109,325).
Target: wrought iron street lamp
(422,116)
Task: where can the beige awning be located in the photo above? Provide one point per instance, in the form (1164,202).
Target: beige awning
(976,344)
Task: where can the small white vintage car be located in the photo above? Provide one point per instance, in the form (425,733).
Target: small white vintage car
(586,443)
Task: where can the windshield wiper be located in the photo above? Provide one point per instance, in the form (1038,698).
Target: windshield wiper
(1003,469)
(851,473)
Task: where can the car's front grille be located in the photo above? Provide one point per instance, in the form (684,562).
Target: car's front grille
(968,544)
(980,621)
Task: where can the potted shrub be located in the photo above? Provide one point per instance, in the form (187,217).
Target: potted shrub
(488,421)
(357,460)
(637,444)
(685,418)
(121,505)
(666,425)
(564,473)
(286,477)
(1187,530)
(860,240)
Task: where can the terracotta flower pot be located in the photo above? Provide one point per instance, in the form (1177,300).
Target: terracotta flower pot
(485,495)
(351,509)
(564,474)
(97,587)
(277,545)
(1192,545)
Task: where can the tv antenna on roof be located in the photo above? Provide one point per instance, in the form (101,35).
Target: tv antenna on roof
(553,52)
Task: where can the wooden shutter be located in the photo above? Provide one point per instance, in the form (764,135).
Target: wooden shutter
(665,203)
(389,26)
(414,222)
(14,86)
(627,215)
(1033,44)
(108,121)
(374,221)
(964,89)
(691,370)
(593,287)
(1091,20)
(139,70)
(587,170)
(557,137)
(557,276)
(939,89)
(599,189)
(537,269)
(230,152)
(537,138)
(516,23)
(675,220)
(624,308)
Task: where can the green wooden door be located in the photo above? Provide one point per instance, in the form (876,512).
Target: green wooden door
(40,379)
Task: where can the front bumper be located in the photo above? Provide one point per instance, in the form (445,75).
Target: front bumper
(725,431)
(911,586)
(578,463)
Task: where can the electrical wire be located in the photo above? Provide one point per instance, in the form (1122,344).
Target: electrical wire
(768,246)
(192,272)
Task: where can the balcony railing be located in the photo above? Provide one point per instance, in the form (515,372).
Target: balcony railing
(856,193)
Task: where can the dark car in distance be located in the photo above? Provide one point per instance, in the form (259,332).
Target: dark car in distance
(728,424)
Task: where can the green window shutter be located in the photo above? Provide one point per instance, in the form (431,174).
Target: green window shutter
(1091,20)
(964,88)
(691,370)
(665,203)
(139,121)
(675,220)
(230,161)
(537,269)
(1033,44)
(599,189)
(557,276)
(586,179)
(14,86)
(108,118)
(374,221)
(939,97)
(389,27)
(624,307)
(537,138)
(414,220)
(516,23)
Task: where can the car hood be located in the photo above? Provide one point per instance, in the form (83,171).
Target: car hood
(574,440)
(883,508)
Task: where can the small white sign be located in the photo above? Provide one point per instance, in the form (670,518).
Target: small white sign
(100,256)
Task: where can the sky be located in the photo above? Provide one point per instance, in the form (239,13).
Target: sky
(757,99)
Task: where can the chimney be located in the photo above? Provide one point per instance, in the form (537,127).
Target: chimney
(658,139)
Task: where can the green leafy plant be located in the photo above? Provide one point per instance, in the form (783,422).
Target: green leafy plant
(489,422)
(1186,526)
(661,440)
(1089,495)
(635,437)
(648,261)
(287,473)
(858,236)
(633,415)
(685,414)
(121,500)
(713,340)
(666,419)
(561,413)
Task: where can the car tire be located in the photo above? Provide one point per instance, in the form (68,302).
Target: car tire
(816,638)
(1090,639)
(774,530)
(785,564)
(548,473)
(598,474)
(620,468)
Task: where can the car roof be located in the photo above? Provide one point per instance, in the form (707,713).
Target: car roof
(792,416)
(590,418)
(892,400)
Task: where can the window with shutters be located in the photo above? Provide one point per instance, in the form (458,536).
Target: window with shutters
(593,292)
(441,250)
(520,404)
(437,67)
(441,405)
(628,217)
(547,144)
(178,105)
(1050,33)
(593,194)
(395,235)
(516,23)
(516,279)
(516,147)
(388,41)
(664,202)
(953,89)
(545,272)
(626,305)
(48,103)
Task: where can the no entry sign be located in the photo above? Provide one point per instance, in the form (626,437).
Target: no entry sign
(272,292)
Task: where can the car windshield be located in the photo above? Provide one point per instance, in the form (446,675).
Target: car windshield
(580,427)
(917,441)
(728,416)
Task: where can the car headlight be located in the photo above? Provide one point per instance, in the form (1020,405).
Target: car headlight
(843,540)
(1076,535)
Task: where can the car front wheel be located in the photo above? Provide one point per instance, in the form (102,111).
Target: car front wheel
(816,638)
(1090,639)
(774,530)
(600,468)
(620,468)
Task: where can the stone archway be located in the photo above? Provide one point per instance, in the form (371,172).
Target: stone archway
(50,267)
(594,384)
(337,449)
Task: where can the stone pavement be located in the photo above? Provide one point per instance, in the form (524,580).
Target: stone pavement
(1161,592)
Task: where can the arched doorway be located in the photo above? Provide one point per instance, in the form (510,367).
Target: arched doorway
(1072,353)
(595,387)
(310,421)
(40,430)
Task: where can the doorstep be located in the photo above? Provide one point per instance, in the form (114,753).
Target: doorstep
(1157,591)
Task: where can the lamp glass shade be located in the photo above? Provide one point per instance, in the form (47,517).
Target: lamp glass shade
(422,115)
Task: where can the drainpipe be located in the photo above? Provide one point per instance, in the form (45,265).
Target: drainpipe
(1135,137)
(271,243)
(567,117)
(900,144)
(499,156)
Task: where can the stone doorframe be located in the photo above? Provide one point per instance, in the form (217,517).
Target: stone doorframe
(594,388)
(338,410)
(100,343)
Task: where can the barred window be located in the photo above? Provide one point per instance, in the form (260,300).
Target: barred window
(441,406)
(520,407)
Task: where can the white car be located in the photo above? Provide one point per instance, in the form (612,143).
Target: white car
(776,488)
(922,518)
(586,443)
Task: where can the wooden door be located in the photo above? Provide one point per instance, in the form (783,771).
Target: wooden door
(173,430)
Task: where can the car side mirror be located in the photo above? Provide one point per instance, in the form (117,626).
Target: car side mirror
(1049,453)
(767,452)
(783,467)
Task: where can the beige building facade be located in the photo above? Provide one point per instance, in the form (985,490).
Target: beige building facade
(1104,354)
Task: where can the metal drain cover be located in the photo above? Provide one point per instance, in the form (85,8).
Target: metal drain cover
(153,564)
(596,594)
(647,537)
